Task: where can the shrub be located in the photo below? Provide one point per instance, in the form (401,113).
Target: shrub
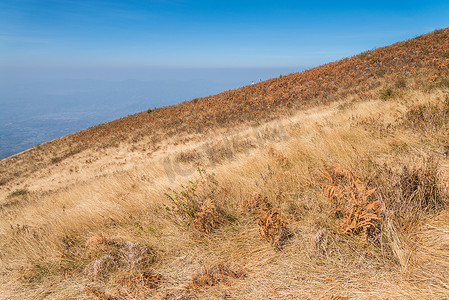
(386,94)
(207,218)
(17,193)
(195,203)
(400,82)
(55,160)
(273,224)
(186,203)
(388,201)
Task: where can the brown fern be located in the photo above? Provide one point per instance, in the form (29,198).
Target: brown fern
(208,218)
(357,211)
(274,227)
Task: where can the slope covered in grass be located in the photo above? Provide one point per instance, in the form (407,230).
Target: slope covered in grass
(424,61)
(335,194)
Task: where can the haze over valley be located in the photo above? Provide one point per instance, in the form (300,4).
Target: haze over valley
(36,110)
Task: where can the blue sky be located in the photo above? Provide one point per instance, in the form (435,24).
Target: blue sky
(204,34)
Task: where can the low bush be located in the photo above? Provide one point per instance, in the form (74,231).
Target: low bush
(387,93)
(207,218)
(18,193)
(273,223)
(402,195)
(195,203)
(400,82)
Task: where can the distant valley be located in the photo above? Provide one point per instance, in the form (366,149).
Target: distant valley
(34,111)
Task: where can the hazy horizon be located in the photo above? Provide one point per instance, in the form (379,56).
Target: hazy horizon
(37,110)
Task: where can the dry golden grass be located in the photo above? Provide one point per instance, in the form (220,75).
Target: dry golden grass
(49,238)
(262,223)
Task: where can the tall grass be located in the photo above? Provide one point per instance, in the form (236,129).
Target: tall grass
(352,204)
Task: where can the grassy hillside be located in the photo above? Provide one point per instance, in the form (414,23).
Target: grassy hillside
(423,61)
(327,183)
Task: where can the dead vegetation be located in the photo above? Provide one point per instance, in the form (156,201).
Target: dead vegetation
(353,203)
(412,192)
(207,218)
(218,274)
(273,227)
(358,212)
(141,285)
(273,223)
(430,118)
(107,255)
(104,259)
(279,157)
(423,60)
(341,201)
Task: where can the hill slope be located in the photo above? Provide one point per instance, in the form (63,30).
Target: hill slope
(329,182)
(423,60)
